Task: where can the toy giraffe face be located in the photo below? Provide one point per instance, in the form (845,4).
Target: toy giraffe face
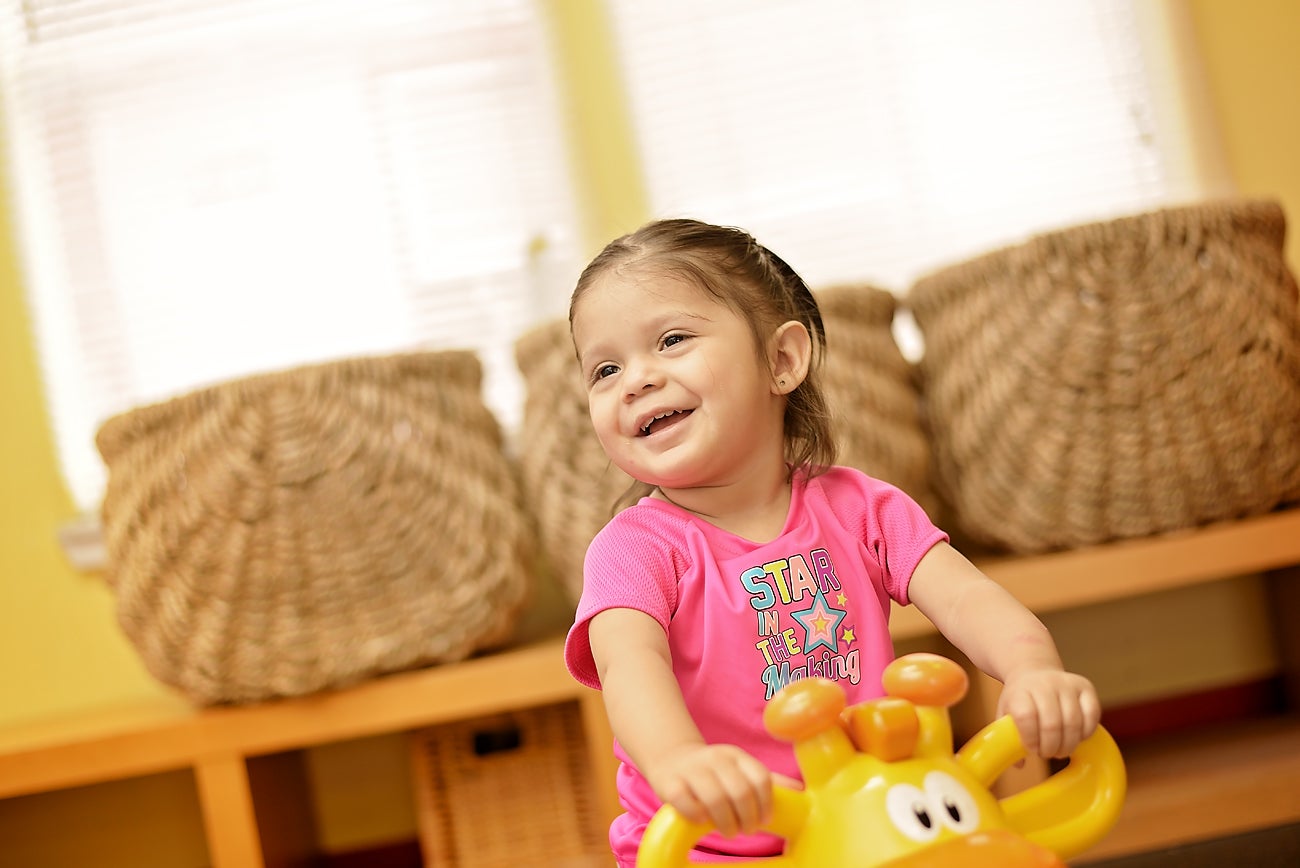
(884,789)
(886,770)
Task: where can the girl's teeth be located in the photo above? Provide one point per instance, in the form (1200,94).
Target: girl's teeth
(646,430)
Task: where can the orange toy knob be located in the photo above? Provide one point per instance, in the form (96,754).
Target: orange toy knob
(804,710)
(926,679)
(886,728)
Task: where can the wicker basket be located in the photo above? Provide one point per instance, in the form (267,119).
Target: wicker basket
(1116,379)
(873,391)
(567,479)
(284,533)
(506,791)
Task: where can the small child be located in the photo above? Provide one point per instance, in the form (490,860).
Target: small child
(748,559)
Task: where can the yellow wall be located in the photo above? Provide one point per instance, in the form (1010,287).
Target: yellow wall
(600,137)
(59,645)
(60,648)
(1252,67)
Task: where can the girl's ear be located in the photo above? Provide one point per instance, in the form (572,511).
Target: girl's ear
(789,354)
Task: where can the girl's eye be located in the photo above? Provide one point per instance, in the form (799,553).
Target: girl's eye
(604,371)
(670,340)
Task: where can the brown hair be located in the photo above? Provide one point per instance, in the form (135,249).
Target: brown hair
(734,268)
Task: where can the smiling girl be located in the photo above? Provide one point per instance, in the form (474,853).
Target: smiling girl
(747,558)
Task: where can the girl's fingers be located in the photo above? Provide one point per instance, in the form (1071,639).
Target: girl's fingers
(748,787)
(1082,715)
(718,805)
(1090,705)
(1054,717)
(689,805)
(1024,712)
(1071,716)
(734,794)
(1051,726)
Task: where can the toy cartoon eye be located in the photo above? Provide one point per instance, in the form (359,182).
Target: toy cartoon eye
(912,812)
(952,802)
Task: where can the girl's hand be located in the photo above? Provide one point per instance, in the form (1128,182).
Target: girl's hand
(718,784)
(1054,710)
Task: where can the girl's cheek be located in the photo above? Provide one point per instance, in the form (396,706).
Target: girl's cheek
(603,417)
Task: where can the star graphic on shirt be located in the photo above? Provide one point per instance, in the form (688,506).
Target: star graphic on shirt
(848,636)
(841,600)
(820,622)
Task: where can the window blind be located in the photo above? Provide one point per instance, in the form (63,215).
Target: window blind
(207,189)
(874,140)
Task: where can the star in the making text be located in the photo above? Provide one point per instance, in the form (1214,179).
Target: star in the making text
(820,622)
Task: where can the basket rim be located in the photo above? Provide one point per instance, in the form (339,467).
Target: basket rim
(933,288)
(117,430)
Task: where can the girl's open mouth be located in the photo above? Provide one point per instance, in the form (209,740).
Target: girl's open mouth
(662,421)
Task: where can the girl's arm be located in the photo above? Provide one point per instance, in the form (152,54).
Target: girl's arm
(718,784)
(1053,709)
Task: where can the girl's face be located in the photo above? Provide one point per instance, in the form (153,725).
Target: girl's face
(679,395)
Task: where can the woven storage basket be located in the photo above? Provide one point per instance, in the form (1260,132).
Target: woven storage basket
(566,477)
(293,531)
(873,391)
(1116,379)
(507,791)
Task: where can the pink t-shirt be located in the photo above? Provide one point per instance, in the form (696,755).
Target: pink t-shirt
(743,619)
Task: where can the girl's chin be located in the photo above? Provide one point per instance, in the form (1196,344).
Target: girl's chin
(663,475)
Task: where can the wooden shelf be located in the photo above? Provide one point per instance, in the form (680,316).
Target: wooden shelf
(1080,577)
(166,735)
(1203,785)
(233,751)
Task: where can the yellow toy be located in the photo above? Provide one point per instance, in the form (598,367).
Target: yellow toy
(885,790)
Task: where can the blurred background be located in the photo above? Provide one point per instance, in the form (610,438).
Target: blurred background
(201,189)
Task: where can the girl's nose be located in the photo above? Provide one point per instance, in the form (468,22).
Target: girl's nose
(635,391)
(641,379)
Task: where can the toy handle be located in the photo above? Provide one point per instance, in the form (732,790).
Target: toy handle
(1071,810)
(670,837)
(1066,814)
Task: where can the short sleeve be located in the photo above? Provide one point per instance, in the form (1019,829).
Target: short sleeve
(892,526)
(634,562)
